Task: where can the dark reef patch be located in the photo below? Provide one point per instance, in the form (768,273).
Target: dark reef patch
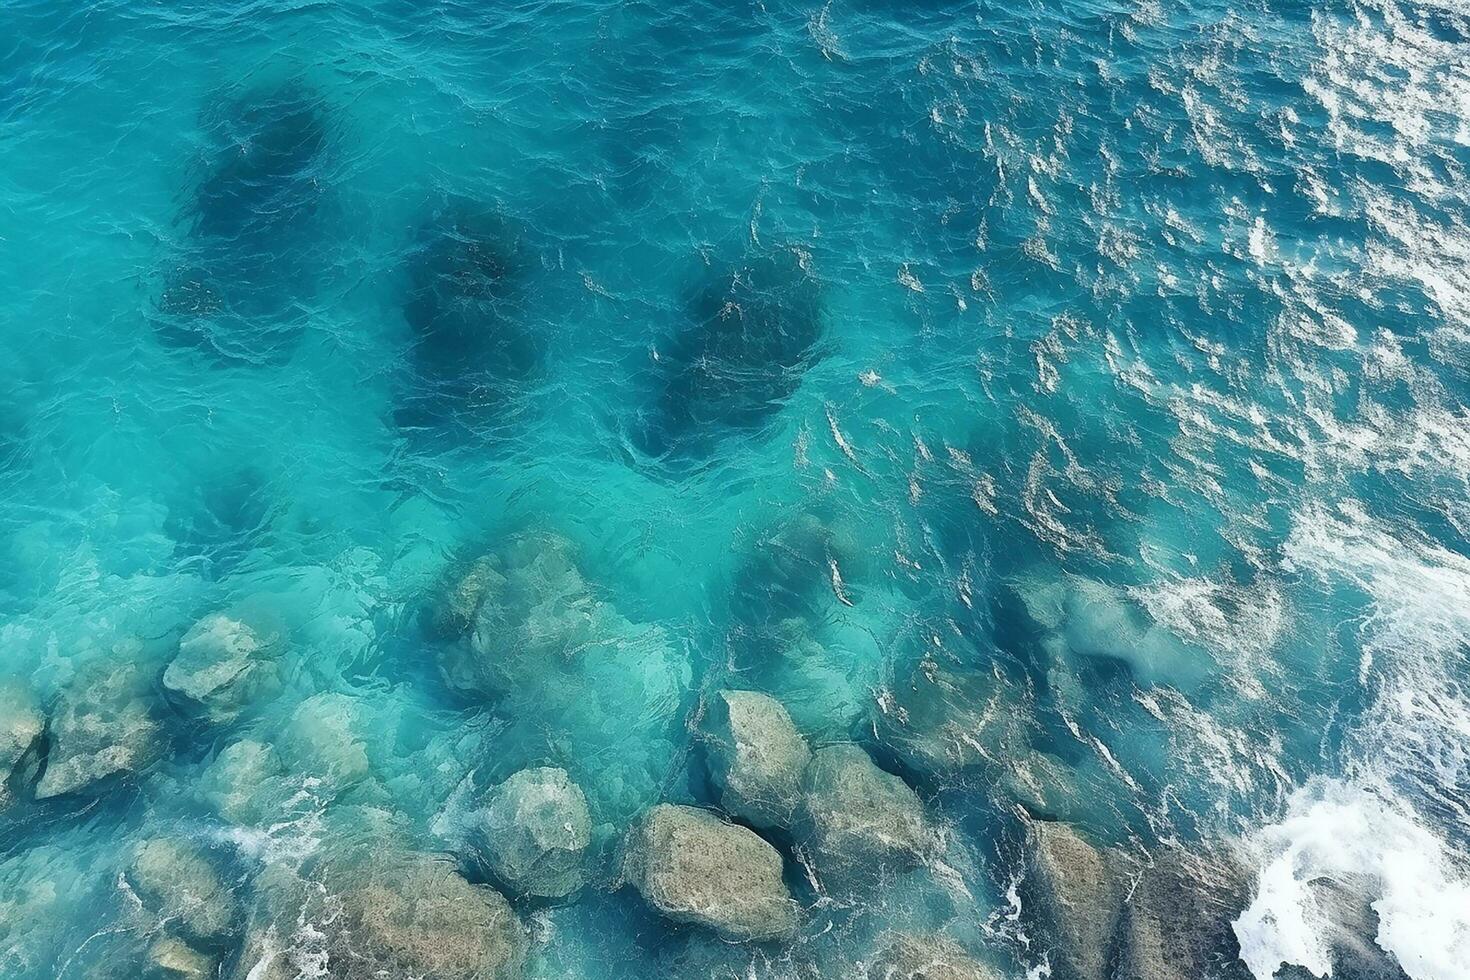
(235,291)
(471,350)
(752,332)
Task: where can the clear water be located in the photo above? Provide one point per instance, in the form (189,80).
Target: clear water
(1113,355)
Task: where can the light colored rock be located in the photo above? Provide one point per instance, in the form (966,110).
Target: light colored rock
(1074,898)
(692,867)
(383,912)
(223,666)
(756,757)
(176,881)
(103,726)
(860,820)
(535,831)
(904,956)
(174,959)
(322,740)
(451,617)
(243,783)
(21,723)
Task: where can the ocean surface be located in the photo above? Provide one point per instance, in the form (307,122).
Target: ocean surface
(1065,403)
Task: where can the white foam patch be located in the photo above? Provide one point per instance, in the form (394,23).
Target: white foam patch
(1360,828)
(1340,831)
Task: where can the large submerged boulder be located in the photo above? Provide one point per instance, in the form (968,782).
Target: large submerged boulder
(178,882)
(860,820)
(756,757)
(103,726)
(905,956)
(692,867)
(534,833)
(1074,899)
(21,723)
(171,958)
(941,721)
(243,783)
(223,666)
(323,739)
(580,684)
(382,912)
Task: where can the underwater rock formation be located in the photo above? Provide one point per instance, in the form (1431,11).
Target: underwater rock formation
(21,723)
(323,739)
(1091,619)
(264,174)
(1076,899)
(243,783)
(173,959)
(177,882)
(756,757)
(381,912)
(582,685)
(752,333)
(534,833)
(103,726)
(904,956)
(224,667)
(940,721)
(693,867)
(235,290)
(471,347)
(861,821)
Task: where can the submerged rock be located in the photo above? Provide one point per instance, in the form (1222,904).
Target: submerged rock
(692,867)
(176,881)
(243,782)
(580,684)
(21,723)
(756,757)
(752,332)
(382,913)
(535,831)
(224,667)
(174,959)
(322,740)
(941,721)
(452,616)
(860,819)
(103,726)
(1074,899)
(904,956)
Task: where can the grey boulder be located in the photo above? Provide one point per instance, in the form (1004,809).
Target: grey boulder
(905,956)
(222,667)
(861,820)
(103,726)
(756,757)
(693,867)
(534,833)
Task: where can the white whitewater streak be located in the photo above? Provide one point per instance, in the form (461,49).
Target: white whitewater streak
(1360,828)
(1343,832)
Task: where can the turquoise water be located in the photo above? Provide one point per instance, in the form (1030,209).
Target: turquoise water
(1110,359)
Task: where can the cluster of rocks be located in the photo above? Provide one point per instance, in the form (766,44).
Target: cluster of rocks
(1099,914)
(853,819)
(108,721)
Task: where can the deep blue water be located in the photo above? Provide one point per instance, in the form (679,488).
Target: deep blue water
(1112,359)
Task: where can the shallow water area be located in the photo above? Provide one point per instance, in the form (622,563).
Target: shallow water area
(741,490)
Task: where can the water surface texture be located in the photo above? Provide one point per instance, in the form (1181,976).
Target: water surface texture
(627,490)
